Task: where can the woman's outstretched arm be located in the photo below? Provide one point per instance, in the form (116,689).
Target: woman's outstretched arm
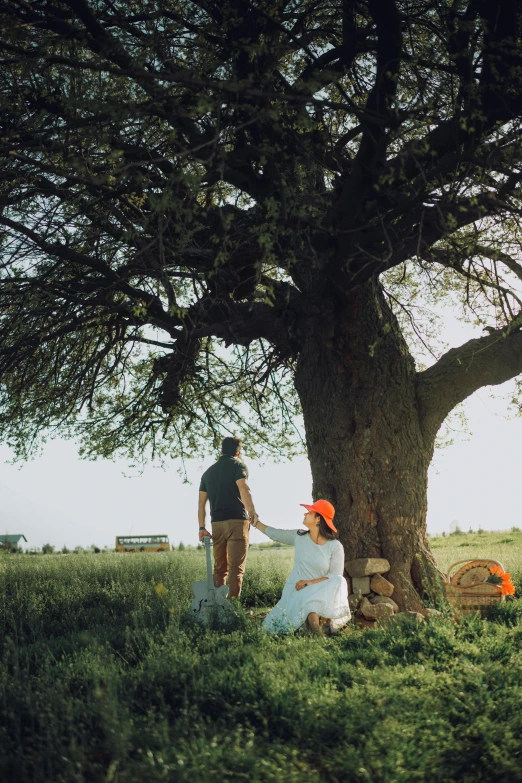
(256,522)
(283,536)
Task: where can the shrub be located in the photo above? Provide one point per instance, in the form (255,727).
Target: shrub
(10,549)
(457,532)
(48,549)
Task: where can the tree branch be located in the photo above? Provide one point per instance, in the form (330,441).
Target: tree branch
(486,361)
(499,255)
(112,279)
(495,99)
(372,150)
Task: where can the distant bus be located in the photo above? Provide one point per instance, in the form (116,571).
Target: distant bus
(142,544)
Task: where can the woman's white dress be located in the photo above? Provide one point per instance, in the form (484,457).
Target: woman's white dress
(328,598)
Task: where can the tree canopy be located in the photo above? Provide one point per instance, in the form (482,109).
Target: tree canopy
(185,183)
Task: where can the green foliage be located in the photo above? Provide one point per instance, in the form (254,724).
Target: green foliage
(102,677)
(48,549)
(186,186)
(493,545)
(458,532)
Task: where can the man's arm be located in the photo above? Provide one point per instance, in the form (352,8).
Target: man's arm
(202,515)
(246,498)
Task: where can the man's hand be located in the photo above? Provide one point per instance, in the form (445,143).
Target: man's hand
(302,583)
(203,533)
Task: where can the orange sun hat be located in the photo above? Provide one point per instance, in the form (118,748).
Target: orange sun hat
(325,509)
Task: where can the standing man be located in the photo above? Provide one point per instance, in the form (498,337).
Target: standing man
(231,510)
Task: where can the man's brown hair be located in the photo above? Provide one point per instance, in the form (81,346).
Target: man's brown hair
(231,446)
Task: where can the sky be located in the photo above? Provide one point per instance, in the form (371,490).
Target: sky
(60,499)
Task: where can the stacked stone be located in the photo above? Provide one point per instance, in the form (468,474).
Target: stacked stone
(369,592)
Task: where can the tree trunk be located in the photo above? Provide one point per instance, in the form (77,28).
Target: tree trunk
(368,452)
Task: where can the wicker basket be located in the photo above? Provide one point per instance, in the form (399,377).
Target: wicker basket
(466,589)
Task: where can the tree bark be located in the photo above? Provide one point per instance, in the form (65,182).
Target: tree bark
(368,452)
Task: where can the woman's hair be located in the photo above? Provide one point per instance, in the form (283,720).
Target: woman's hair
(324,530)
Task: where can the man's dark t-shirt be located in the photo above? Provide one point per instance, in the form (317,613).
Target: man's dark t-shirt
(219,482)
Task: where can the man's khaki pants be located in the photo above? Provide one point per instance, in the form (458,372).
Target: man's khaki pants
(230,539)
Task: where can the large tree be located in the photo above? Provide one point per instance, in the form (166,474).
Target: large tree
(210,206)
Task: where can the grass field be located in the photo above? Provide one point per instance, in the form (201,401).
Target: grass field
(103,678)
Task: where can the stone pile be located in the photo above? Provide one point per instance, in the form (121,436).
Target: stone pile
(370,593)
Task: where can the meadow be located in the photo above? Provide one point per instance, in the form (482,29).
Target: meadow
(103,677)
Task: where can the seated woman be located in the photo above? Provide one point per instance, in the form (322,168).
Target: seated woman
(316,587)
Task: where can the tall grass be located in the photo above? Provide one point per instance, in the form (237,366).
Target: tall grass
(104,678)
(506,547)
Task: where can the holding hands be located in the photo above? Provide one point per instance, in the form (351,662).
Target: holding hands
(256,522)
